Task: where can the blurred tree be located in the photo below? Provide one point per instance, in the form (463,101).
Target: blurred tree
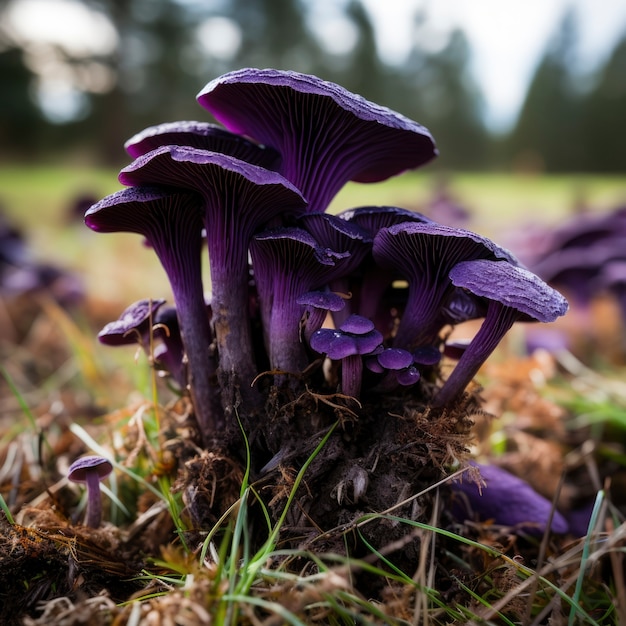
(437,90)
(21,121)
(274,34)
(604,110)
(547,135)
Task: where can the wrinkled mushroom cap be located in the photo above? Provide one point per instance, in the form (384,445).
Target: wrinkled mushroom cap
(79,469)
(512,286)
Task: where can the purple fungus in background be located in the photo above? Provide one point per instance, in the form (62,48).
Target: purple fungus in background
(238,199)
(424,253)
(287,263)
(201,135)
(326,135)
(171,222)
(317,306)
(355,338)
(90,470)
(507,501)
(512,294)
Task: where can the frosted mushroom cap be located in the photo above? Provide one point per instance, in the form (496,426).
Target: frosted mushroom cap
(79,469)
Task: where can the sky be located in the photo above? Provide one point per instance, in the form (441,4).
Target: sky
(507,37)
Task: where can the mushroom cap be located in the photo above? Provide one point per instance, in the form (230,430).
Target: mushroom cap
(254,194)
(395,358)
(512,286)
(338,344)
(134,318)
(326,135)
(373,218)
(201,135)
(79,469)
(357,325)
(434,245)
(146,210)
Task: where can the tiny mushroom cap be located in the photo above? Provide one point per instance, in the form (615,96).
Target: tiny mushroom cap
(91,470)
(355,338)
(201,135)
(506,500)
(425,253)
(512,294)
(325,134)
(238,199)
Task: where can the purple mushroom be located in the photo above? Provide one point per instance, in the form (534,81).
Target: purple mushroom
(400,366)
(287,263)
(133,325)
(326,135)
(90,470)
(505,500)
(201,135)
(355,338)
(238,199)
(425,253)
(171,222)
(512,294)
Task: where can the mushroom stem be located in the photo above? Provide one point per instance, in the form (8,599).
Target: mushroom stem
(496,324)
(196,336)
(94,499)
(351,375)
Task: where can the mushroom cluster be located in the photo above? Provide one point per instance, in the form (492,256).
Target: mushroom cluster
(360,302)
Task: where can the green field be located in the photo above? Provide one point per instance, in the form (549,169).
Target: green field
(39,200)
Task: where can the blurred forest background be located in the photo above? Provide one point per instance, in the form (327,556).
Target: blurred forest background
(162,52)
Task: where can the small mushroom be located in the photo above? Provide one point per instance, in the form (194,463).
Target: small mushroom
(326,135)
(512,294)
(400,367)
(348,344)
(90,470)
